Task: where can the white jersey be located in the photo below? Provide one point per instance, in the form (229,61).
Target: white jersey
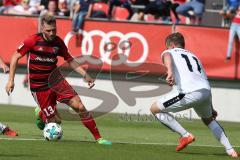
(188,72)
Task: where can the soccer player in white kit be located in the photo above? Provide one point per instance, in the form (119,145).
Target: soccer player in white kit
(191,89)
(3,128)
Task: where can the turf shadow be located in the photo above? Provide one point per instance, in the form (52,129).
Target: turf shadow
(203,154)
(17,155)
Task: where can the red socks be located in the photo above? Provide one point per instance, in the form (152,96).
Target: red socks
(89,122)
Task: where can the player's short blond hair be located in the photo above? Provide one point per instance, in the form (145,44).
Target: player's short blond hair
(48,19)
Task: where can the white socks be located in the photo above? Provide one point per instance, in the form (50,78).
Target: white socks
(2,127)
(169,121)
(220,135)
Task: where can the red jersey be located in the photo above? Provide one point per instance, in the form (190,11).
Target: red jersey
(42,59)
(236,19)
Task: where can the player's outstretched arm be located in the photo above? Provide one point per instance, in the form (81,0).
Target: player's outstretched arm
(3,66)
(13,65)
(76,67)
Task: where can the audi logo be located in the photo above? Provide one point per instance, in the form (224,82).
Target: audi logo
(106,46)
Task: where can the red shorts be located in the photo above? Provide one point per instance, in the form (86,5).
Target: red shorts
(47,99)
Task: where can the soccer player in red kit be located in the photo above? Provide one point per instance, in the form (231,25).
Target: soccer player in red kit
(43,49)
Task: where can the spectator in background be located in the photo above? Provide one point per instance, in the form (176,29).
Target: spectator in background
(158,8)
(35,6)
(44,3)
(170,5)
(233,32)
(173,6)
(63,8)
(51,9)
(140,5)
(7,4)
(123,3)
(22,9)
(197,6)
(81,9)
(140,2)
(70,4)
(230,8)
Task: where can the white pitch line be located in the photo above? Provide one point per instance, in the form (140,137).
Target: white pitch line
(117,142)
(172,144)
(21,139)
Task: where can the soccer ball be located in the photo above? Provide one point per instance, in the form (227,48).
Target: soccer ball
(52,132)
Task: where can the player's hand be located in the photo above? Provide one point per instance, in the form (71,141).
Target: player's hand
(214,114)
(89,80)
(170,79)
(9,87)
(5,68)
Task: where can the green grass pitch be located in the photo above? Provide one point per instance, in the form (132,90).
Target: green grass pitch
(132,139)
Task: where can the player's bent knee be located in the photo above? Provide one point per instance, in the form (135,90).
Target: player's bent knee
(207,121)
(154,108)
(81,107)
(76,104)
(73,101)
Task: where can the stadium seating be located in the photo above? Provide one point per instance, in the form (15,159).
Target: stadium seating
(120,13)
(179,1)
(100,6)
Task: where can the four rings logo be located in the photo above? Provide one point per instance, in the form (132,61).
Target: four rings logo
(106,46)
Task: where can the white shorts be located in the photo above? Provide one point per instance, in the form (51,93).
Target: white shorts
(200,101)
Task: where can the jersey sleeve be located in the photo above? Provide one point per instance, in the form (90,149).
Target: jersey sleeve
(25,46)
(64,51)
